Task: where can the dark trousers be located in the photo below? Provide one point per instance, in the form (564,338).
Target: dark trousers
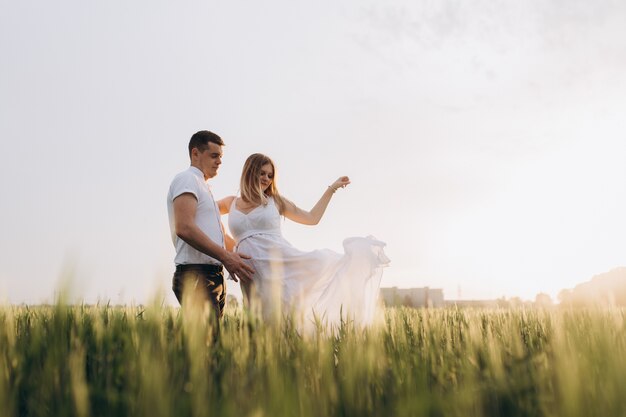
(201,283)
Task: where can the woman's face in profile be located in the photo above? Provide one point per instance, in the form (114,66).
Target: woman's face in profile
(266,176)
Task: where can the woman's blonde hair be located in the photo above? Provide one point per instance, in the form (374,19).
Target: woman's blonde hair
(250,187)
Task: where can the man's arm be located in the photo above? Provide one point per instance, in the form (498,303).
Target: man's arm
(185,206)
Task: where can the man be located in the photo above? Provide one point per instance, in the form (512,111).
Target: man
(197,231)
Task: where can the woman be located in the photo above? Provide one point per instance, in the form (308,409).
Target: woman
(319,285)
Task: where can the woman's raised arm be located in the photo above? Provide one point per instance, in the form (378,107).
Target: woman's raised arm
(313,217)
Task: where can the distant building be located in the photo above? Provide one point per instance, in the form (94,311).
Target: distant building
(413,297)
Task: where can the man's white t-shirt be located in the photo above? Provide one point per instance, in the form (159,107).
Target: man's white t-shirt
(207,216)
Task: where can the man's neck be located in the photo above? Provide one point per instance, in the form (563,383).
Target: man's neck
(200,169)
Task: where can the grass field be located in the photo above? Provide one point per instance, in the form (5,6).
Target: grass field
(152,361)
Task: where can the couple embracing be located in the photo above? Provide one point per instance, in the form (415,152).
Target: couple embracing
(275,277)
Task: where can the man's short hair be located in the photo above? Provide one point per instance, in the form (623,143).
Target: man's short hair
(201,139)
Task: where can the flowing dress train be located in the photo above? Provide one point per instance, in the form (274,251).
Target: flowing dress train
(318,285)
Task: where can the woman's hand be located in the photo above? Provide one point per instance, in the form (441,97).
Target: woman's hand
(341,182)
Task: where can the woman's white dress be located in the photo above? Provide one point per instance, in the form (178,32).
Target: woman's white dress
(320,285)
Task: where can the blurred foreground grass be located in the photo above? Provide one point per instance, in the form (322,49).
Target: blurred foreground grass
(152,361)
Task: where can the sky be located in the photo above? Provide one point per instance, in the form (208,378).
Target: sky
(485,140)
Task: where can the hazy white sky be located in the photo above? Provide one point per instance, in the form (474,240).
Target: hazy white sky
(486,140)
